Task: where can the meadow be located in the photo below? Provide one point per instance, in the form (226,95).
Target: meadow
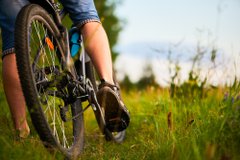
(162,127)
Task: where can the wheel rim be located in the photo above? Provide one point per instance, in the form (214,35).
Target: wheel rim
(46,64)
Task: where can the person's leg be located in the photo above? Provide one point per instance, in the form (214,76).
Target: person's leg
(8,12)
(96,43)
(84,16)
(14,95)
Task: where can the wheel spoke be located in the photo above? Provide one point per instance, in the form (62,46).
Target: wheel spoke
(44,56)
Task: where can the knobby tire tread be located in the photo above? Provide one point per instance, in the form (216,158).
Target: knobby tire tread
(26,79)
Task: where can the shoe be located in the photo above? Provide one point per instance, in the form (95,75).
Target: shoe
(117,116)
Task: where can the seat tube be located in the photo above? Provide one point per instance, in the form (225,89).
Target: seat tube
(82,59)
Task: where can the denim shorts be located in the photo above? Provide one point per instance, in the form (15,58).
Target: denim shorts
(80,11)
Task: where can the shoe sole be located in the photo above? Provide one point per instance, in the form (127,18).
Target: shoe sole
(116,116)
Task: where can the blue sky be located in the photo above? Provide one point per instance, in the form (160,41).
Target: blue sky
(164,22)
(177,20)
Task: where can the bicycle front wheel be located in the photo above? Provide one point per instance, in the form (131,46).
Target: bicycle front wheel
(56,116)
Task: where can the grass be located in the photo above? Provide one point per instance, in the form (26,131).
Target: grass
(161,128)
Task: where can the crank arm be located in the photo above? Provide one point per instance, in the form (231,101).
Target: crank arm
(97,111)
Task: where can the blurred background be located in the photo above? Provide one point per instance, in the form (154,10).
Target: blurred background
(161,42)
(162,38)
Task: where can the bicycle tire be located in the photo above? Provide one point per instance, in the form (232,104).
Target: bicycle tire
(38,61)
(114,136)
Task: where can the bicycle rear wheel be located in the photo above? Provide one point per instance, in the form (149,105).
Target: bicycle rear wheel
(46,84)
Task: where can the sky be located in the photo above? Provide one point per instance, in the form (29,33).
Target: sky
(157,23)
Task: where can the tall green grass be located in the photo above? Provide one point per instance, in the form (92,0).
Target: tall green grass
(161,128)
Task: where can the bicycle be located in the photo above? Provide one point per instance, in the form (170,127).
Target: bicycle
(54,83)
